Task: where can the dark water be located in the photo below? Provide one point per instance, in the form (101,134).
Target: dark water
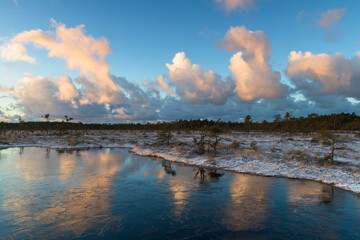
(107,193)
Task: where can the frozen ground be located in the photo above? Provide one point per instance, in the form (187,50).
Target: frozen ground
(293,156)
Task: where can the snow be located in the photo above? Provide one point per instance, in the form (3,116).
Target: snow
(269,158)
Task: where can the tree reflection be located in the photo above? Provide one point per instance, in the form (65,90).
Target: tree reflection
(47,153)
(327,194)
(202,173)
(21,151)
(168,169)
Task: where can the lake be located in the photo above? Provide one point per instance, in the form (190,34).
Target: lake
(111,193)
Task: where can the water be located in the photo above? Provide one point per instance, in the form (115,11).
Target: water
(110,193)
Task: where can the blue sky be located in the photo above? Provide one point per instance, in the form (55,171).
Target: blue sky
(145,35)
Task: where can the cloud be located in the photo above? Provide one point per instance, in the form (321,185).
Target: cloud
(59,96)
(231,5)
(159,83)
(163,85)
(321,74)
(15,2)
(332,36)
(196,85)
(39,94)
(191,92)
(302,14)
(331,17)
(81,52)
(12,52)
(328,21)
(241,39)
(252,74)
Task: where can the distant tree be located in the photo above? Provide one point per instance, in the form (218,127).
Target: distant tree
(46,116)
(247,123)
(248,119)
(277,118)
(21,125)
(313,115)
(287,117)
(67,119)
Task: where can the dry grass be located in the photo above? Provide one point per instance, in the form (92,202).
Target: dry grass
(177,149)
(248,152)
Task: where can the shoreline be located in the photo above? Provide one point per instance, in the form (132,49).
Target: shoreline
(265,161)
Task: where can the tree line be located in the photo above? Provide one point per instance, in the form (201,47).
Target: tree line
(287,123)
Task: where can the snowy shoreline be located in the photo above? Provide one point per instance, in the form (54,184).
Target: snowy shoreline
(269,158)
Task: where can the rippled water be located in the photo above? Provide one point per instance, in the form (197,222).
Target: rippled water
(110,193)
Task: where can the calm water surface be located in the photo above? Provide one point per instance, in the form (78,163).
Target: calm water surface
(110,193)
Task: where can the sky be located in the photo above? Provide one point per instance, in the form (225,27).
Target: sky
(140,60)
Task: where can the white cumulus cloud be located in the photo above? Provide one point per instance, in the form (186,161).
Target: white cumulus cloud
(252,73)
(196,85)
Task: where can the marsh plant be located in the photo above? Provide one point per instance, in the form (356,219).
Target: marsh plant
(164,136)
(234,145)
(329,138)
(209,140)
(199,144)
(298,155)
(214,139)
(253,146)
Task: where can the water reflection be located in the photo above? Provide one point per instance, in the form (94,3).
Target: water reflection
(111,193)
(250,204)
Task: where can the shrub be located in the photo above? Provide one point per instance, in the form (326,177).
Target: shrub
(199,145)
(164,136)
(314,140)
(234,145)
(326,142)
(253,146)
(298,155)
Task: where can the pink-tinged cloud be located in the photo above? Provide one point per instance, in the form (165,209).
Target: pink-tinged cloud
(160,80)
(331,17)
(254,44)
(40,94)
(81,52)
(12,52)
(196,85)
(321,74)
(252,74)
(332,72)
(231,5)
